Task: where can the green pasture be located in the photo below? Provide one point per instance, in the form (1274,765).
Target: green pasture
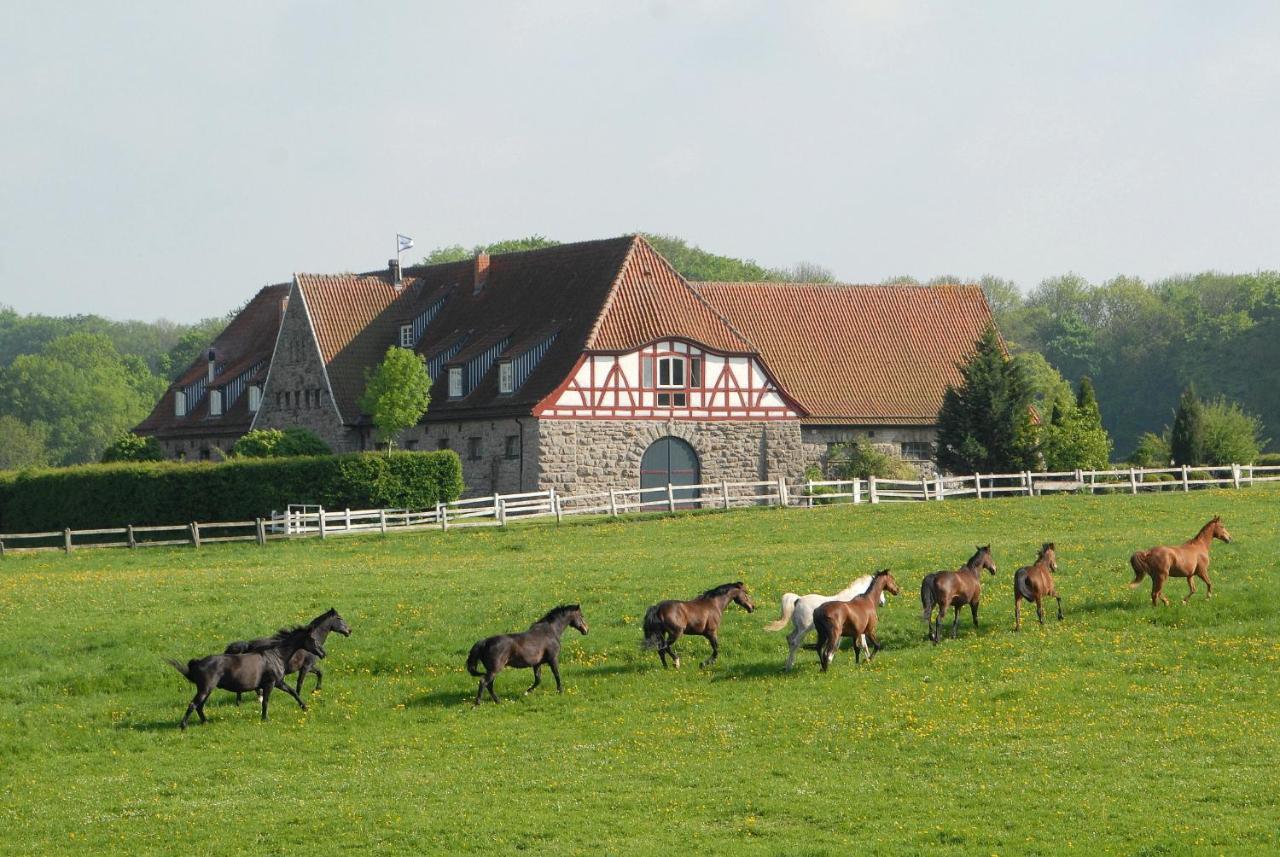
(1121,730)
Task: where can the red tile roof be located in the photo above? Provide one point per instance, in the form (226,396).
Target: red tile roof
(858,354)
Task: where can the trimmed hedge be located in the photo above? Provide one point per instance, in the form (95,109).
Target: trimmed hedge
(114,495)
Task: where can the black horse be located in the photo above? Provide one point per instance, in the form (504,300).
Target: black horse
(303,661)
(261,668)
(533,648)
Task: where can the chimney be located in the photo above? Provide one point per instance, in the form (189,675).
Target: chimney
(393,265)
(212,364)
(482,272)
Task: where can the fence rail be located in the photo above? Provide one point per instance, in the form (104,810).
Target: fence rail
(307,521)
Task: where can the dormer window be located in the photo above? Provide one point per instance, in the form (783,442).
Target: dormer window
(255,398)
(215,403)
(455,382)
(506,377)
(179,404)
(406,336)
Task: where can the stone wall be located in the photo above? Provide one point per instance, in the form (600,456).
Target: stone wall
(297,392)
(498,456)
(889,439)
(582,456)
(213,448)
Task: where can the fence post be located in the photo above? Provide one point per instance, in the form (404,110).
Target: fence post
(871,489)
(442,511)
(940,489)
(1093,482)
(1,548)
(613,503)
(1235,474)
(1133,480)
(320,520)
(496,500)
(1026,481)
(195,534)
(1080,478)
(347,520)
(783,500)
(133,540)
(924,488)
(260,530)
(671,498)
(857,490)
(555,503)
(1186,478)
(382,521)
(724,491)
(500,510)
(66,540)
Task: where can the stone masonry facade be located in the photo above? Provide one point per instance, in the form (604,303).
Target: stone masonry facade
(498,455)
(912,443)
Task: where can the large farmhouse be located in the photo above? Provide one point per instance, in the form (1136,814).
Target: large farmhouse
(587,366)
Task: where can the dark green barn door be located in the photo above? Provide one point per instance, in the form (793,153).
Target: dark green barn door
(669,460)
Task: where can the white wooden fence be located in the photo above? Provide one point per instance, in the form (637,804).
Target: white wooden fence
(500,509)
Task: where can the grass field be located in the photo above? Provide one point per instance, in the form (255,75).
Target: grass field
(1121,730)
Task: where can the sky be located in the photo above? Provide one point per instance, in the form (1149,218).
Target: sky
(163,159)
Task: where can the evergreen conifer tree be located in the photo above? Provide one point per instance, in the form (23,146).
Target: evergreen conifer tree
(985,423)
(1186,438)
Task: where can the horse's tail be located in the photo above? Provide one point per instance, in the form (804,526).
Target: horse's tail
(1022,586)
(1139,563)
(185,669)
(823,626)
(474,658)
(788,607)
(654,630)
(926,597)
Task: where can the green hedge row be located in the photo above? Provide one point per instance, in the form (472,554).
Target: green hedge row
(114,495)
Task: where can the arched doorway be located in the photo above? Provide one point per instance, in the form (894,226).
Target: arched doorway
(669,460)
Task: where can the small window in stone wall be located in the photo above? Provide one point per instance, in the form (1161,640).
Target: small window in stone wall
(410,444)
(474,450)
(917,450)
(512,449)
(442,443)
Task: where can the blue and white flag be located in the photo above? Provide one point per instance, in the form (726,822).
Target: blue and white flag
(404,242)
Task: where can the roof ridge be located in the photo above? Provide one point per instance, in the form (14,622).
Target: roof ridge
(785,283)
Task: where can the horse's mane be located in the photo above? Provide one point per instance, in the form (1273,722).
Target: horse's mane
(721,589)
(277,638)
(556,612)
(979,552)
(316,622)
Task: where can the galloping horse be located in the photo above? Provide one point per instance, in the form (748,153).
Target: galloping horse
(303,661)
(1189,560)
(261,669)
(945,589)
(854,618)
(666,621)
(1034,582)
(799,609)
(533,648)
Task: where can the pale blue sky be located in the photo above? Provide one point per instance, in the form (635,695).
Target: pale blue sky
(167,159)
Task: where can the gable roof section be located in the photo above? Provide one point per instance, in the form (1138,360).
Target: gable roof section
(858,354)
(247,341)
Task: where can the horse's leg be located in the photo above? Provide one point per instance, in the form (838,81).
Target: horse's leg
(237,697)
(794,639)
(191,706)
(1059,600)
(662,653)
(671,648)
(537,678)
(973,608)
(280,683)
(479,692)
(955,622)
(302,674)
(871,638)
(1017,608)
(266,698)
(554,663)
(715,649)
(1203,574)
(1157,589)
(1040,607)
(488,681)
(319,674)
(1191,587)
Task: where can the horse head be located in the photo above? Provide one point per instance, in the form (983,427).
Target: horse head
(337,623)
(1219,531)
(742,598)
(1047,553)
(983,557)
(577,620)
(890,584)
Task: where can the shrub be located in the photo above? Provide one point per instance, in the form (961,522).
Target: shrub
(274,443)
(1152,451)
(1268,459)
(113,495)
(1231,436)
(858,460)
(131,447)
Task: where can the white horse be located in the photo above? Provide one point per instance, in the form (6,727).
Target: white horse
(799,610)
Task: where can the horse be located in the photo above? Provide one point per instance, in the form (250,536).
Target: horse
(1189,560)
(1033,582)
(533,648)
(261,668)
(854,618)
(666,621)
(303,661)
(944,589)
(799,610)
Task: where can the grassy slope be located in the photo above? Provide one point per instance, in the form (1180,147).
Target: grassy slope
(1122,729)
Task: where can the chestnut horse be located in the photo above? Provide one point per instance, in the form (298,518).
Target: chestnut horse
(666,621)
(1189,560)
(1033,582)
(854,618)
(944,589)
(533,648)
(798,609)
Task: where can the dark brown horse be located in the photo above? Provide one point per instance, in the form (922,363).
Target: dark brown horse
(666,621)
(261,669)
(854,618)
(533,648)
(1189,560)
(944,589)
(1034,582)
(303,661)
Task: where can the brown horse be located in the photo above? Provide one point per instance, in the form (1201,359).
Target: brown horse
(666,621)
(854,618)
(1034,582)
(1189,560)
(533,648)
(944,589)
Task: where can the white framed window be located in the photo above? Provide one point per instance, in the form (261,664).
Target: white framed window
(179,404)
(255,398)
(215,403)
(506,377)
(406,336)
(671,372)
(455,382)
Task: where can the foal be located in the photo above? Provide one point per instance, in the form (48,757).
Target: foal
(666,621)
(303,661)
(944,589)
(1189,560)
(1034,582)
(855,618)
(533,648)
(261,668)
